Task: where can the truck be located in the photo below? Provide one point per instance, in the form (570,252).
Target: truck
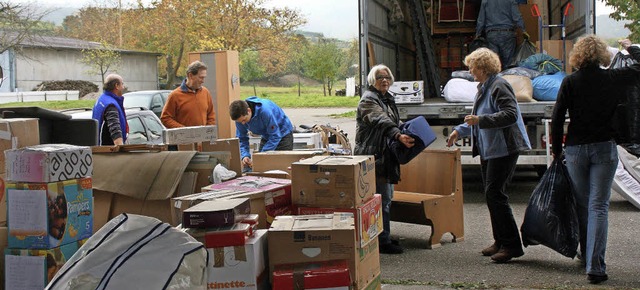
(426,40)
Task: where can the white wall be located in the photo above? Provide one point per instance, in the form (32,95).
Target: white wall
(140,71)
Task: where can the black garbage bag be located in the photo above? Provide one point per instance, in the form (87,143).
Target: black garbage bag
(626,121)
(524,50)
(551,218)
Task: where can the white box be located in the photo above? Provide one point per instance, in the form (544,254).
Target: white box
(48,163)
(240,267)
(194,134)
(407,92)
(307,140)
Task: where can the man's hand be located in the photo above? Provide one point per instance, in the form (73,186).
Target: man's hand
(407,140)
(247,162)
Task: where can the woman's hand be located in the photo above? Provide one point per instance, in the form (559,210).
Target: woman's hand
(453,137)
(625,43)
(472,119)
(407,140)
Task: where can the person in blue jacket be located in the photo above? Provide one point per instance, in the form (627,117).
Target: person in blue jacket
(262,117)
(109,111)
(498,136)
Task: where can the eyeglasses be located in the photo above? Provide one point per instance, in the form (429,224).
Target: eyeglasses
(383,78)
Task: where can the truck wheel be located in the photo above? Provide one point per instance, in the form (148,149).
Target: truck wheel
(540,169)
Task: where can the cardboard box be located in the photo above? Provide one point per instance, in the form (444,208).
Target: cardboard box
(3,245)
(48,163)
(227,236)
(333,181)
(3,203)
(307,140)
(281,160)
(270,197)
(138,182)
(216,213)
(407,92)
(317,238)
(180,203)
(332,275)
(240,267)
(48,215)
(231,145)
(34,269)
(194,134)
(368,218)
(17,133)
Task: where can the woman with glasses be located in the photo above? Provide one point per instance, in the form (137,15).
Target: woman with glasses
(377,122)
(498,136)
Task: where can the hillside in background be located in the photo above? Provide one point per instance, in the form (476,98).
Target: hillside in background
(608,28)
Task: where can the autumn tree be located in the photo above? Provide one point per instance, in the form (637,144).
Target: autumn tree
(627,10)
(250,68)
(322,63)
(20,23)
(101,60)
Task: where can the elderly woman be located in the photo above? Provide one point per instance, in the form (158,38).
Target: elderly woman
(498,136)
(591,95)
(377,122)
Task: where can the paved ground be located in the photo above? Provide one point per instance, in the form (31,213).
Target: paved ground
(460,265)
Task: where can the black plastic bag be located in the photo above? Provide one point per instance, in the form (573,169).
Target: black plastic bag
(525,50)
(626,120)
(551,218)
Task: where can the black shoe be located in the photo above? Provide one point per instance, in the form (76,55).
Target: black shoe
(597,279)
(505,254)
(395,242)
(390,248)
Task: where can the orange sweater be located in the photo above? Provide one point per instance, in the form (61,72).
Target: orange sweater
(185,107)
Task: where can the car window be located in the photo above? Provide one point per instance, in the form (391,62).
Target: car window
(137,132)
(136,100)
(165,95)
(155,127)
(157,101)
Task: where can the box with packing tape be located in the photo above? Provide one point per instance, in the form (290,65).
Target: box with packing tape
(333,181)
(216,213)
(48,215)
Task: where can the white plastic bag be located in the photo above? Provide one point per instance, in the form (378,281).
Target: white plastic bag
(460,91)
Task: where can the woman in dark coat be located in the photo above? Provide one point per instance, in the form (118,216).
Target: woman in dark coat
(377,122)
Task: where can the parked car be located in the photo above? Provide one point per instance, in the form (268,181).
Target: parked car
(150,100)
(144,126)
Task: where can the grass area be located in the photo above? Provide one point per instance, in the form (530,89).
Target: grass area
(285,97)
(350,114)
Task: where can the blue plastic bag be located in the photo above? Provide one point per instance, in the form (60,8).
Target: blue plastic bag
(546,87)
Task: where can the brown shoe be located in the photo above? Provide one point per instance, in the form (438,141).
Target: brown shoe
(491,250)
(505,254)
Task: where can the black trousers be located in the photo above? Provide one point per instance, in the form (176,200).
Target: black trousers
(286,143)
(496,174)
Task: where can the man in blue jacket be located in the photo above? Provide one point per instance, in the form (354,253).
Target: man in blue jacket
(109,111)
(262,117)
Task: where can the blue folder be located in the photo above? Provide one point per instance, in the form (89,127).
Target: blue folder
(419,129)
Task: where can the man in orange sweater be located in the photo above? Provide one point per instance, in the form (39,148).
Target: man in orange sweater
(190,104)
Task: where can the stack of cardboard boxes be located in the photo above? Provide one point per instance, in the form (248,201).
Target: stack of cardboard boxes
(343,187)
(49,210)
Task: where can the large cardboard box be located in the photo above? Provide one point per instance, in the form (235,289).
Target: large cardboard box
(231,145)
(270,197)
(408,92)
(327,275)
(368,218)
(17,133)
(240,267)
(34,269)
(48,215)
(3,245)
(318,238)
(281,160)
(48,163)
(138,182)
(333,181)
(193,134)
(223,82)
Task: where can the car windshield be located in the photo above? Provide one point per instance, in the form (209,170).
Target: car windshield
(137,100)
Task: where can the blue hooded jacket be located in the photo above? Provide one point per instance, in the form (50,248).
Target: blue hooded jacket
(110,99)
(267,120)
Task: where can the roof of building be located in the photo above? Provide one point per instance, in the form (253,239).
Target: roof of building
(58,42)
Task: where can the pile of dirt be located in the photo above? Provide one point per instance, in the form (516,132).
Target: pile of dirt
(85,87)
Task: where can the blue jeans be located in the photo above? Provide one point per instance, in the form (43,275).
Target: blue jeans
(592,168)
(386,191)
(504,44)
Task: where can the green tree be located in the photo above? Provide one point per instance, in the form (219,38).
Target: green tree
(101,60)
(297,47)
(250,68)
(322,63)
(627,10)
(20,23)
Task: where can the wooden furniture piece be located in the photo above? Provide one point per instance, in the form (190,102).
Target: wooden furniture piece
(223,82)
(430,193)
